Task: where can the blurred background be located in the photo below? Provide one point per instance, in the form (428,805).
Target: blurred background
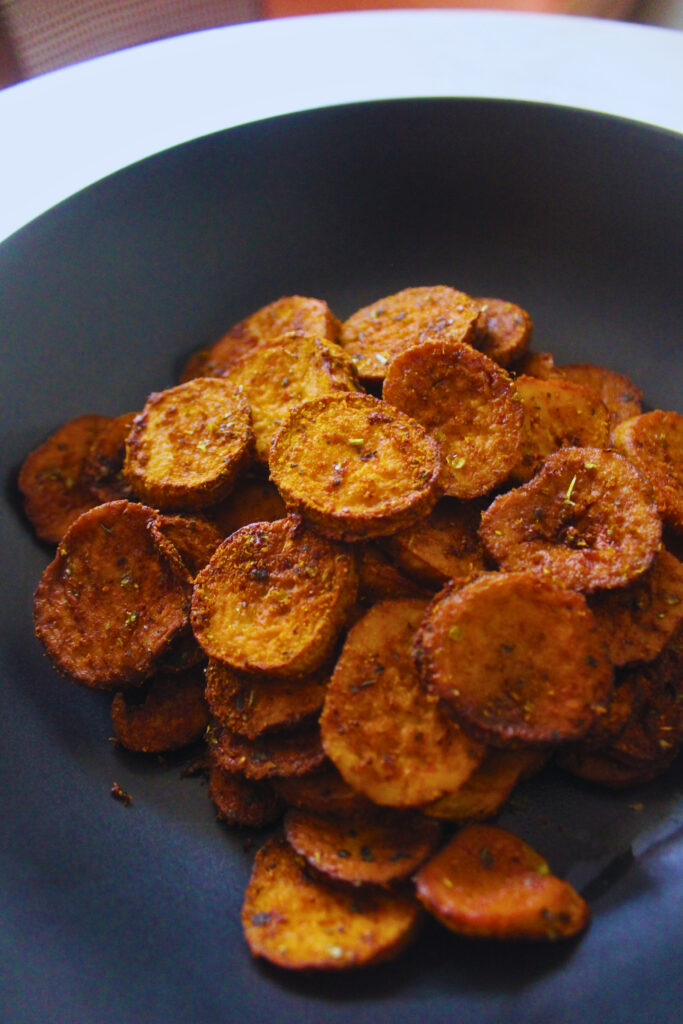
(37,36)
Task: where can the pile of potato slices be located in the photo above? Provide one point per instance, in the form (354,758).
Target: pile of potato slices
(384,570)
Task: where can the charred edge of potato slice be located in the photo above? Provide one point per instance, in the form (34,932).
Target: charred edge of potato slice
(168,712)
(489,883)
(503,330)
(281,755)
(653,442)
(103,469)
(243,802)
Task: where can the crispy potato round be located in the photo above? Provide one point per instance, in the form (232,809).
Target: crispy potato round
(377,849)
(374,335)
(166,713)
(52,477)
(290,313)
(388,738)
(653,442)
(253,500)
(586,519)
(379,579)
(280,374)
(518,661)
(503,330)
(195,537)
(535,364)
(241,801)
(271,755)
(355,467)
(598,767)
(621,396)
(103,469)
(468,403)
(489,786)
(489,883)
(114,598)
(323,792)
(303,922)
(188,445)
(557,414)
(443,546)
(274,598)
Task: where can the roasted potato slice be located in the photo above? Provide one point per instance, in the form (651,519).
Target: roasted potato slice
(241,801)
(503,330)
(468,404)
(323,792)
(489,786)
(103,469)
(653,442)
(379,579)
(443,546)
(374,335)
(621,396)
(189,444)
(388,738)
(598,767)
(586,519)
(271,755)
(168,712)
(195,537)
(274,598)
(114,598)
(489,883)
(304,922)
(253,500)
(535,364)
(518,661)
(52,477)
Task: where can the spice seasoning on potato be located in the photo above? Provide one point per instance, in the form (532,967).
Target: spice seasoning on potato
(388,738)
(653,442)
(274,598)
(489,883)
(243,802)
(519,661)
(303,921)
(189,444)
(586,519)
(103,469)
(280,374)
(355,467)
(166,713)
(52,481)
(374,335)
(270,755)
(503,330)
(290,313)
(468,404)
(114,598)
(621,396)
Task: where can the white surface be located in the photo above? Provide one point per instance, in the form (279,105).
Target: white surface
(67,129)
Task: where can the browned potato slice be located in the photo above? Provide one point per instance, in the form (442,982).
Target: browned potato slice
(254,500)
(654,444)
(374,335)
(280,374)
(243,802)
(621,706)
(355,467)
(183,653)
(195,537)
(379,579)
(113,599)
(274,598)
(489,883)
(103,469)
(51,479)
(621,396)
(535,364)
(586,519)
(388,738)
(637,620)
(323,792)
(303,922)
(371,850)
(166,713)
(271,755)
(598,767)
(503,330)
(290,313)
(656,730)
(468,404)
(188,445)
(489,786)
(443,546)
(557,414)
(251,705)
(519,661)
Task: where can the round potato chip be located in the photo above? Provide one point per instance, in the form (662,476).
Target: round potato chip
(241,801)
(489,786)
(503,330)
(270,755)
(166,713)
(324,792)
(653,442)
(621,396)
(195,537)
(103,469)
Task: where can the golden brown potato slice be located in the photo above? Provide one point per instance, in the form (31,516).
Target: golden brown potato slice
(290,313)
(306,922)
(280,374)
(535,364)
(557,414)
(253,500)
(188,445)
(586,519)
(355,467)
(52,481)
(114,598)
(388,738)
(638,620)
(621,706)
(468,404)
(103,469)
(323,792)
(503,330)
(443,546)
(519,661)
(489,883)
(621,396)
(380,849)
(653,442)
(489,786)
(274,598)
(251,705)
(243,802)
(166,713)
(656,730)
(379,579)
(374,335)
(195,537)
(272,755)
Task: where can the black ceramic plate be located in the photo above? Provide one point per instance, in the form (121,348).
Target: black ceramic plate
(114,914)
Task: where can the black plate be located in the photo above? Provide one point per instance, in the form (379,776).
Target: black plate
(114,914)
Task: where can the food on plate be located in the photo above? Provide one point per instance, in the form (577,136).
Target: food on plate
(488,788)
(621,396)
(503,330)
(269,755)
(167,712)
(195,537)
(255,500)
(240,801)
(103,468)
(653,442)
